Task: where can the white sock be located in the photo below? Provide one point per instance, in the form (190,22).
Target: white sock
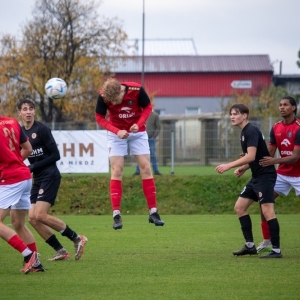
(26,252)
(153,210)
(116,212)
(276,250)
(249,244)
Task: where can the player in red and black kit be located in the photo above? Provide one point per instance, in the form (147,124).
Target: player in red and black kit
(46,177)
(127,107)
(284,136)
(259,188)
(15,184)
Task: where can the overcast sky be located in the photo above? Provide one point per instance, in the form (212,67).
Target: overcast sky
(217,27)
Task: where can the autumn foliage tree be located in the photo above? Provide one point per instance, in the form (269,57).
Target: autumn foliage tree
(64,39)
(264,105)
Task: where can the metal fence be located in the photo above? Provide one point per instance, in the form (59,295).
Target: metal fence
(190,140)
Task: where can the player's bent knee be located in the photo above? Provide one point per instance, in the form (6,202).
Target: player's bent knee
(40,217)
(17,224)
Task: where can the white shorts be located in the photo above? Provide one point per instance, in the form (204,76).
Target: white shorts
(136,142)
(16,196)
(284,184)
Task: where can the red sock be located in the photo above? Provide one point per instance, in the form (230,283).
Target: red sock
(32,247)
(17,243)
(265,230)
(115,194)
(149,192)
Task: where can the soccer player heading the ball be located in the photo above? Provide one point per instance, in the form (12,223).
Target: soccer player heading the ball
(128,107)
(46,178)
(259,188)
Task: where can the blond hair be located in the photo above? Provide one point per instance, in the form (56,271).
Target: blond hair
(111,89)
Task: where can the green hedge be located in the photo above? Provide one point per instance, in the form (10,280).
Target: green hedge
(89,194)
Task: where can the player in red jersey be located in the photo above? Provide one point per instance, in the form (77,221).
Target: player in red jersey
(284,136)
(15,184)
(128,107)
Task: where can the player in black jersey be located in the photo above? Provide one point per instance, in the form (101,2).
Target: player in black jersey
(259,188)
(46,182)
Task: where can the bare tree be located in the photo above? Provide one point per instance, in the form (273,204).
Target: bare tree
(65,39)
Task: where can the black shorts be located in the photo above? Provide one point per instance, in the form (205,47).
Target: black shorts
(260,189)
(45,191)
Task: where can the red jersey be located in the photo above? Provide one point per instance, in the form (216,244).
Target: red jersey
(135,108)
(286,137)
(12,167)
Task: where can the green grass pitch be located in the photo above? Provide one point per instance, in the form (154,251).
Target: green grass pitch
(189,258)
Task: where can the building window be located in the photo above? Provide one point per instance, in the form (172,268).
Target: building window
(161,112)
(192,110)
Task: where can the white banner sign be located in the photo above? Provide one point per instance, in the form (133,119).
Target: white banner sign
(82,151)
(241,84)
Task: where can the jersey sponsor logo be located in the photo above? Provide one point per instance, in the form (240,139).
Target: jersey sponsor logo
(127,114)
(286,153)
(37,152)
(127,109)
(286,142)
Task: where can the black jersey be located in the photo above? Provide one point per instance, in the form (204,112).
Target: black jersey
(45,152)
(251,136)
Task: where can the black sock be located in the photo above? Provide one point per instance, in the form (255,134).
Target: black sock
(274,232)
(69,233)
(27,258)
(54,243)
(246,226)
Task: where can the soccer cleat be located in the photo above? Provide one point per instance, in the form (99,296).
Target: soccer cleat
(155,218)
(117,222)
(39,268)
(79,243)
(264,246)
(157,173)
(245,250)
(34,259)
(272,254)
(61,254)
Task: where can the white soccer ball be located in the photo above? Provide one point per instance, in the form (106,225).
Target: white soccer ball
(56,88)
